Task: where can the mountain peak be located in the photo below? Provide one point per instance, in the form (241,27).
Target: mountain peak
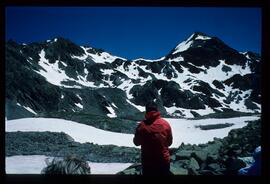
(188,42)
(199,36)
(198,33)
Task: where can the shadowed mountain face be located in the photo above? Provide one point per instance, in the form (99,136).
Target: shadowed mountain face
(201,75)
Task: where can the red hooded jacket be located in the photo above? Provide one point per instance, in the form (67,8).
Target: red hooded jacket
(155,136)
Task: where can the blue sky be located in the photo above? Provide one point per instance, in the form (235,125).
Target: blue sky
(134,32)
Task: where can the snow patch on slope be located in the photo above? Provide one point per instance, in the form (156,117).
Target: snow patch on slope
(112,113)
(182,46)
(139,107)
(149,60)
(201,37)
(54,75)
(177,59)
(79,105)
(27,108)
(98,58)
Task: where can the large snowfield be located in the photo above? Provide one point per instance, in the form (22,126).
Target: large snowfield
(184,131)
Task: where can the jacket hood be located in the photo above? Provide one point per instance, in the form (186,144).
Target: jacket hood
(151,116)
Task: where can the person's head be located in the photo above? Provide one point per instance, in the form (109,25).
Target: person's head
(151,106)
(68,165)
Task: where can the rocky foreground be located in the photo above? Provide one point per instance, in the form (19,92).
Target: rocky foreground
(61,145)
(219,157)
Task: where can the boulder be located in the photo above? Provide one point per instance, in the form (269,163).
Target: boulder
(197,147)
(213,148)
(186,147)
(200,156)
(193,164)
(183,154)
(233,165)
(173,157)
(203,166)
(176,170)
(135,169)
(181,163)
(193,172)
(213,158)
(213,167)
(131,171)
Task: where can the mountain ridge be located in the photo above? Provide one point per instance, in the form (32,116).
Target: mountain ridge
(200,78)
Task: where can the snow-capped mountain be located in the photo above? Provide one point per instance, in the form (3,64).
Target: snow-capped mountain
(201,75)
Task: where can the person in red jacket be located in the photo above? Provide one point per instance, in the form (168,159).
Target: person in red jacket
(154,134)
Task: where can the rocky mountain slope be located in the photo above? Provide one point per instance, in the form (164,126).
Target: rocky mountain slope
(200,76)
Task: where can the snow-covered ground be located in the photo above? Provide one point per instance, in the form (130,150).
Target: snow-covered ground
(184,131)
(79,132)
(33,164)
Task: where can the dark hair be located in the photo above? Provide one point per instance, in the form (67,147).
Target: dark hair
(69,165)
(151,106)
